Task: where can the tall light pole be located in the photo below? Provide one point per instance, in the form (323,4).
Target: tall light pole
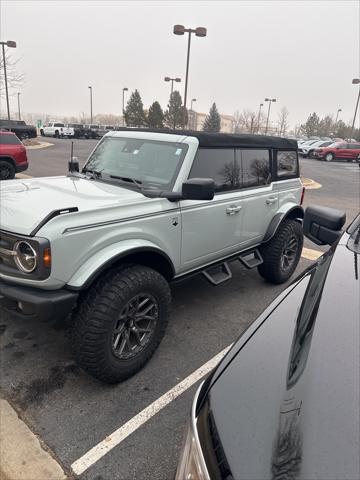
(10,44)
(91,106)
(199,32)
(192,113)
(270,100)
(125,89)
(172,80)
(258,122)
(337,115)
(355,81)
(18,98)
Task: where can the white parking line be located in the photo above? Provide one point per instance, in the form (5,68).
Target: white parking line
(119,435)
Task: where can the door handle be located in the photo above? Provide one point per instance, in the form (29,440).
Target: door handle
(270,200)
(233,209)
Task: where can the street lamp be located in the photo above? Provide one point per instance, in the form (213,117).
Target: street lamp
(18,98)
(91,106)
(337,115)
(125,89)
(192,113)
(172,80)
(270,100)
(355,81)
(258,122)
(10,44)
(199,32)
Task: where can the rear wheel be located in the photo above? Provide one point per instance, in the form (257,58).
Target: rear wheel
(282,253)
(42,132)
(56,135)
(7,170)
(329,157)
(120,322)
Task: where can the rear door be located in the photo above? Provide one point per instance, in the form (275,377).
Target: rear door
(353,150)
(341,151)
(212,229)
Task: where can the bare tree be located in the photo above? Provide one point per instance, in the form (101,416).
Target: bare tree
(245,121)
(283,120)
(15,79)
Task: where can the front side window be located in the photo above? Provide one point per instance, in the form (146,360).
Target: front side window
(286,162)
(9,139)
(218,164)
(254,167)
(149,162)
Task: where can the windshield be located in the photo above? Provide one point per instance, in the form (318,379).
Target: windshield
(149,162)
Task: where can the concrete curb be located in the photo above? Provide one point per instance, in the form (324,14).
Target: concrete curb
(310,184)
(22,456)
(36,147)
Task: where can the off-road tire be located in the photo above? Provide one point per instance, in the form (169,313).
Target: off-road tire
(56,134)
(272,252)
(96,317)
(7,170)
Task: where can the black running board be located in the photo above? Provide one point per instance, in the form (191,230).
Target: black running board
(251,258)
(218,274)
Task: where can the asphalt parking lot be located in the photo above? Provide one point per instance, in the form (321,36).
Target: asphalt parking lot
(72,413)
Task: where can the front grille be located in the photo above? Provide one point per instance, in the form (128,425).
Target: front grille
(222,462)
(7,263)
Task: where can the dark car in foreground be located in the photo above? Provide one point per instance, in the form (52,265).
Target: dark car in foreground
(20,128)
(340,150)
(284,402)
(13,158)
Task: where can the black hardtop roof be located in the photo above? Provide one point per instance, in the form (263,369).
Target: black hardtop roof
(226,140)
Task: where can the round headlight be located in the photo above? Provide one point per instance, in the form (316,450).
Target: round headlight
(26,257)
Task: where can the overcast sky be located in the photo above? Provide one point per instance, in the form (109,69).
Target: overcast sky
(304,53)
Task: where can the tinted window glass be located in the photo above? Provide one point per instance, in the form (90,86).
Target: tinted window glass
(58,124)
(218,164)
(341,145)
(354,146)
(286,164)
(254,167)
(9,139)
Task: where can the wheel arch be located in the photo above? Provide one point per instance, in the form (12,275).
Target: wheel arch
(145,255)
(292,213)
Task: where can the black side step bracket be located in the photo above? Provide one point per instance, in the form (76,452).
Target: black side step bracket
(218,274)
(251,259)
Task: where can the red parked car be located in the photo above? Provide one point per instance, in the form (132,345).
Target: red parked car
(347,151)
(13,158)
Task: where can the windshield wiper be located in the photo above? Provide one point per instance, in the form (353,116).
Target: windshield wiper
(93,173)
(129,179)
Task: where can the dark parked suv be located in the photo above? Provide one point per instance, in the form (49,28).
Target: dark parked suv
(284,402)
(20,128)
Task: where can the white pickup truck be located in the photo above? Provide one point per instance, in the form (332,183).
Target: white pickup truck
(56,129)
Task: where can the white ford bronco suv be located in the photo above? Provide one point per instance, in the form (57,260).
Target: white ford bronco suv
(148,207)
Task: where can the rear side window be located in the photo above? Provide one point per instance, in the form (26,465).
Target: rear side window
(354,146)
(286,164)
(58,124)
(218,164)
(254,166)
(9,139)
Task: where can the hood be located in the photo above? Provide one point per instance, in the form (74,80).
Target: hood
(287,405)
(25,203)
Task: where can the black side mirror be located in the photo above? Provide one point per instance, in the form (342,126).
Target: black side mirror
(322,225)
(198,189)
(73,164)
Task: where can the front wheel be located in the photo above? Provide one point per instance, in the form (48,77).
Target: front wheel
(329,157)
(120,321)
(282,253)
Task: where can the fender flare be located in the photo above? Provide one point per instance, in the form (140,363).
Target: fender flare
(8,158)
(294,212)
(105,258)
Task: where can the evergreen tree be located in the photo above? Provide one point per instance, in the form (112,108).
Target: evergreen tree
(311,127)
(212,122)
(134,112)
(175,117)
(326,126)
(155,116)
